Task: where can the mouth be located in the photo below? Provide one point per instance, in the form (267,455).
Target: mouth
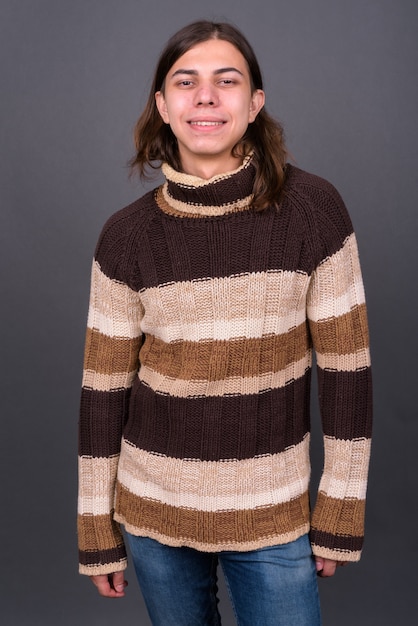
(206,123)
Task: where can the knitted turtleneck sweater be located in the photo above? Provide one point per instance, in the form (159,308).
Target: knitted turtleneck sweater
(194,424)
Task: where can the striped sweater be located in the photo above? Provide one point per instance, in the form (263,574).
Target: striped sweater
(203,317)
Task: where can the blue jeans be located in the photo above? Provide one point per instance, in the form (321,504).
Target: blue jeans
(274,586)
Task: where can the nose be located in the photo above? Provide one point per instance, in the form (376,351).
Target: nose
(206,96)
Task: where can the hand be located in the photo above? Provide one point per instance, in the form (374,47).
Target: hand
(110,585)
(327,567)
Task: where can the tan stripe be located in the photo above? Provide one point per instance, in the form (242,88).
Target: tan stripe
(99,531)
(336,286)
(218,360)
(115,309)
(109,363)
(107,355)
(336,555)
(339,517)
(346,334)
(345,468)
(220,529)
(344,362)
(241,545)
(96,484)
(107,382)
(248,305)
(184,207)
(99,570)
(211,486)
(190,180)
(231,386)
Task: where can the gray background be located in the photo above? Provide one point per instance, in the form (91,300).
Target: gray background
(342,77)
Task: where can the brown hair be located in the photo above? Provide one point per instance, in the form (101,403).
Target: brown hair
(155,142)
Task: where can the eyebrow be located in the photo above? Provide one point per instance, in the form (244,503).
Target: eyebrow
(221,70)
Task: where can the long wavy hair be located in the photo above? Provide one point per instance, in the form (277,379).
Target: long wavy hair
(155,142)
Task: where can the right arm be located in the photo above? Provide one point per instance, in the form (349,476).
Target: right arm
(110,365)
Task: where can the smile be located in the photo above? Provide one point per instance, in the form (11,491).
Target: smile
(206,123)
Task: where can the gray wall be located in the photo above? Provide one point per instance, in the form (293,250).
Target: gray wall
(342,77)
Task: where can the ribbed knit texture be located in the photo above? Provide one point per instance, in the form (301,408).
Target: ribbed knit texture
(194,425)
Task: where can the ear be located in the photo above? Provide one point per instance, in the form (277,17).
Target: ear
(258,99)
(162,106)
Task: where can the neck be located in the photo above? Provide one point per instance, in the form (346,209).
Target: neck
(187,194)
(209,167)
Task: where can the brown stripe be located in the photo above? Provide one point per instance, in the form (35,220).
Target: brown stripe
(336,543)
(222,527)
(108,355)
(164,206)
(339,517)
(179,209)
(344,334)
(231,189)
(98,435)
(100,531)
(93,559)
(338,409)
(214,428)
(218,360)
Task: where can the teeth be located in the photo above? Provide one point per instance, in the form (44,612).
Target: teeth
(207,123)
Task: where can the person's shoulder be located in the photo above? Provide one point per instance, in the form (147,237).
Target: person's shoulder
(130,216)
(322,210)
(311,186)
(121,235)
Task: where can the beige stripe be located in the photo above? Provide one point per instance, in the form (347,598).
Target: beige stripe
(99,532)
(339,517)
(218,360)
(344,362)
(192,181)
(336,555)
(196,210)
(231,386)
(115,309)
(336,286)
(239,545)
(345,468)
(222,485)
(108,568)
(107,382)
(220,529)
(248,305)
(96,484)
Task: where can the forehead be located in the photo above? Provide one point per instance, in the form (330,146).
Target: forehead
(211,55)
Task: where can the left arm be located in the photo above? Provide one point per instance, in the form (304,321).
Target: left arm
(338,324)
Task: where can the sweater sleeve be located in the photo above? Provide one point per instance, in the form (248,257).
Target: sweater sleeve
(110,364)
(338,323)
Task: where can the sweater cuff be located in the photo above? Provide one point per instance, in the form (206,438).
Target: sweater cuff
(103,562)
(101,545)
(336,547)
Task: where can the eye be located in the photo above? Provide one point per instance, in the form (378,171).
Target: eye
(227,81)
(185,83)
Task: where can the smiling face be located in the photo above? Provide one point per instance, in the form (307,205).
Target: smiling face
(208,103)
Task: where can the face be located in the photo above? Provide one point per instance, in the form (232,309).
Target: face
(208,102)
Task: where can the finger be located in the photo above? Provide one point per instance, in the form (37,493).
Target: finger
(329,568)
(104,584)
(118,581)
(325,567)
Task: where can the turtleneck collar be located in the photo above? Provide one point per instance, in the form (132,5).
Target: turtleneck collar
(190,196)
